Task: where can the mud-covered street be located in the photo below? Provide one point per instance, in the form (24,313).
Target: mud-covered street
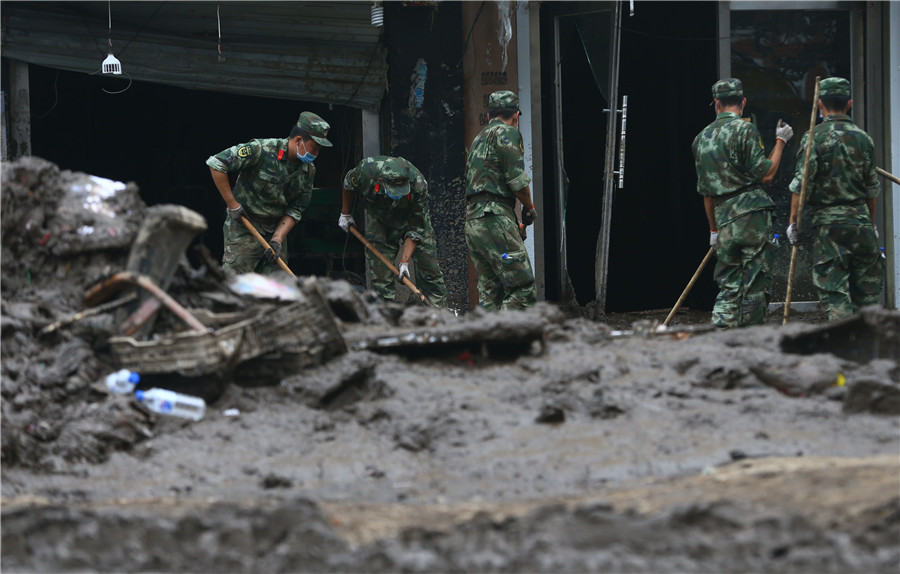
(536,440)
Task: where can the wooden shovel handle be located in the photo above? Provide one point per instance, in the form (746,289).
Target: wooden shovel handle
(689,285)
(387,262)
(265,244)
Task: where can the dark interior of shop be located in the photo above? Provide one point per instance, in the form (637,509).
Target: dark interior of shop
(658,234)
(160,136)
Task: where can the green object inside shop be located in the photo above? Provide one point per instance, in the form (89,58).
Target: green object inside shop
(318,234)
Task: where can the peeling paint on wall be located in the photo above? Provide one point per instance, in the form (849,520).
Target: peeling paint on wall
(504,27)
(417,87)
(429,132)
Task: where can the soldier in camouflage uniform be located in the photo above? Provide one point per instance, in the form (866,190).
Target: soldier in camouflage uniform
(495,178)
(731,166)
(395,195)
(273,187)
(842,188)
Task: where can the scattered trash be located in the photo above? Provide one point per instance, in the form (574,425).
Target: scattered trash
(171,403)
(122,381)
(261,286)
(231,412)
(305,329)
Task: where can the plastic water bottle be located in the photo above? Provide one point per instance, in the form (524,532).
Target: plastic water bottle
(882,253)
(168,402)
(776,239)
(122,381)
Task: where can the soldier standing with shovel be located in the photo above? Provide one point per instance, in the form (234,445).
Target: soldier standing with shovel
(731,165)
(843,190)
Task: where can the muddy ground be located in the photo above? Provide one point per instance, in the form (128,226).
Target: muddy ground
(538,441)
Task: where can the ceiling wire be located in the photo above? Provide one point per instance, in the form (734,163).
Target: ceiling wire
(219,22)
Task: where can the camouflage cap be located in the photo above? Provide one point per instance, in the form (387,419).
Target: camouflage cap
(316,126)
(834,87)
(727,88)
(394,176)
(503,100)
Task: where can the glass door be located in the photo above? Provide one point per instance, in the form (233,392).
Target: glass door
(778,53)
(586,80)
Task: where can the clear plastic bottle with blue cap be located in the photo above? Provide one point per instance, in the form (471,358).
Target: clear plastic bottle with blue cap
(166,402)
(776,239)
(122,381)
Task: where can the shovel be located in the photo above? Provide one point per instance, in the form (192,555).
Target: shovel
(689,285)
(794,248)
(390,265)
(888,175)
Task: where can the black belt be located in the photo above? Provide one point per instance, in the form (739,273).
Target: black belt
(719,199)
(488,196)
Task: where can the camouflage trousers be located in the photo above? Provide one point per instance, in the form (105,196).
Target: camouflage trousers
(427,275)
(847,268)
(744,271)
(505,278)
(243,253)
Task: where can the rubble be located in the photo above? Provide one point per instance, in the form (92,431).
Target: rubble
(420,440)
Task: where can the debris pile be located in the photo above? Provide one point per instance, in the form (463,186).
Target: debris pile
(87,271)
(404,438)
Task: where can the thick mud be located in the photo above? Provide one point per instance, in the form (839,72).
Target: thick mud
(538,441)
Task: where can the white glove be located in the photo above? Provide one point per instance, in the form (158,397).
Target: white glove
(345,221)
(793,234)
(404,271)
(237,213)
(783,131)
(713,238)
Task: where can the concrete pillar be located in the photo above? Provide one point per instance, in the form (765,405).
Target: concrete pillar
(19,111)
(371,133)
(529,73)
(892,156)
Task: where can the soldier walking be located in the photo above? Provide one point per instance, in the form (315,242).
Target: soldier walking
(731,165)
(842,187)
(273,188)
(495,178)
(395,195)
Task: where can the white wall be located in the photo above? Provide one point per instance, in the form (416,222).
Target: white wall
(893,132)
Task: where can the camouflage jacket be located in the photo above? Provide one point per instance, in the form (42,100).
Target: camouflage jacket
(268,185)
(409,213)
(841,172)
(496,163)
(729,155)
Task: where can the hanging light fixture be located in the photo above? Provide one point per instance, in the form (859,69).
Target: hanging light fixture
(111,65)
(377,15)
